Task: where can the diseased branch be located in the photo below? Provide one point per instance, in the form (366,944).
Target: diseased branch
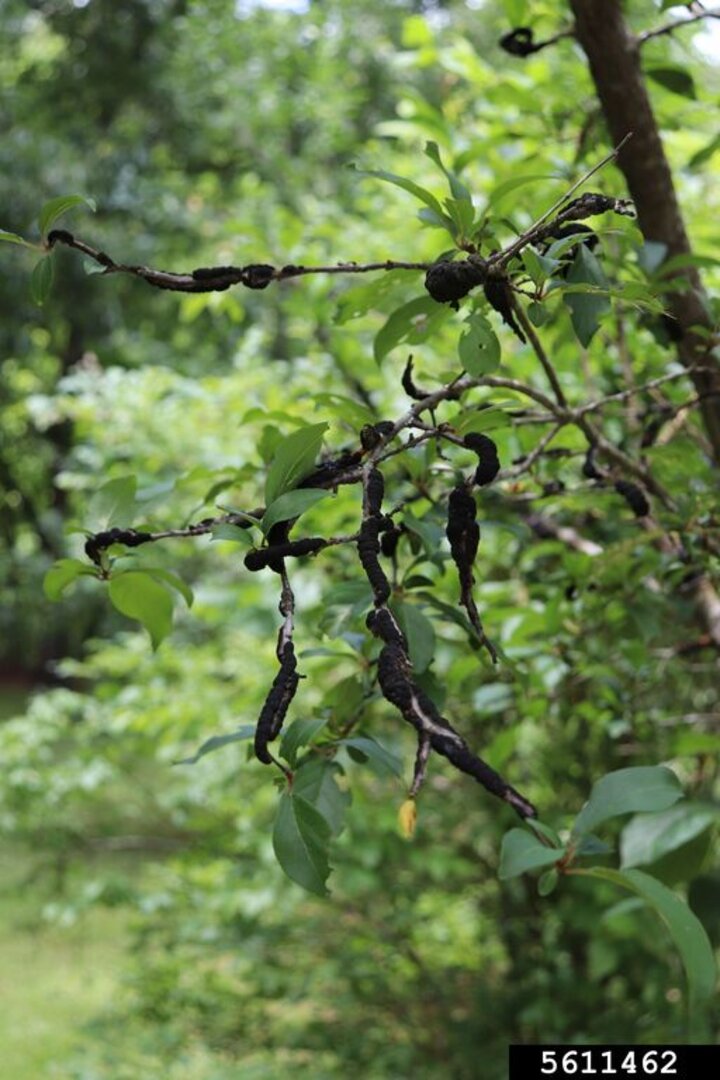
(285,683)
(395,671)
(520,42)
(218,278)
(469,273)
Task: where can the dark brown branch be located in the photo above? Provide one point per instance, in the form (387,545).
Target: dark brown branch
(219,278)
(285,683)
(395,675)
(614,61)
(520,42)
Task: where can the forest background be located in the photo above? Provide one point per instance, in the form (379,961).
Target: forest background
(147,928)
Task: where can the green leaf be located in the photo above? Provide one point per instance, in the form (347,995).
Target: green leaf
(451,614)
(226,531)
(586,309)
(487,418)
(216,742)
(648,837)
(537,313)
(412,323)
(436,221)
(698,159)
(13,238)
(499,192)
(592,845)
(462,214)
(686,931)
(301,839)
(41,280)
(291,505)
(458,190)
(63,573)
(676,79)
(300,733)
(560,247)
(430,534)
(140,597)
(521,851)
(539,267)
(652,255)
(113,504)
(375,754)
(547,882)
(644,787)
(419,192)
(419,632)
(171,579)
(479,346)
(294,458)
(545,831)
(316,781)
(375,294)
(345,408)
(516,12)
(55,208)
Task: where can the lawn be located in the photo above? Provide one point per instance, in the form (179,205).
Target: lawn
(54,980)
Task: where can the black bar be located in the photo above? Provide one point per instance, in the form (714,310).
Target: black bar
(622,1062)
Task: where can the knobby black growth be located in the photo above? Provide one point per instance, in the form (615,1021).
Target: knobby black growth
(394,668)
(590,469)
(374,493)
(99,542)
(519,42)
(368,545)
(259,558)
(59,236)
(486,450)
(334,471)
(499,296)
(371,435)
(447,282)
(588,205)
(272,715)
(382,623)
(409,386)
(285,683)
(634,497)
(433,730)
(390,539)
(463,533)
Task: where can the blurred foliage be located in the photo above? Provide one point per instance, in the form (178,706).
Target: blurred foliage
(210,132)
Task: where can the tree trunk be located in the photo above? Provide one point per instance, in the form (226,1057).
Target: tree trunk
(614,58)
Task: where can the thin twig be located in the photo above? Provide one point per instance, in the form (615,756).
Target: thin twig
(678,24)
(504,257)
(623,395)
(539,352)
(532,457)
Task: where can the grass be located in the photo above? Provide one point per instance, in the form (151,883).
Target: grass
(54,980)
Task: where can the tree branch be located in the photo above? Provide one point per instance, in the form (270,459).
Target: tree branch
(678,24)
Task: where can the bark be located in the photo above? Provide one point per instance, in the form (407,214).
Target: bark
(614,57)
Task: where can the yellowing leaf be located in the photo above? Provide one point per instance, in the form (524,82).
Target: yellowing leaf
(407,818)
